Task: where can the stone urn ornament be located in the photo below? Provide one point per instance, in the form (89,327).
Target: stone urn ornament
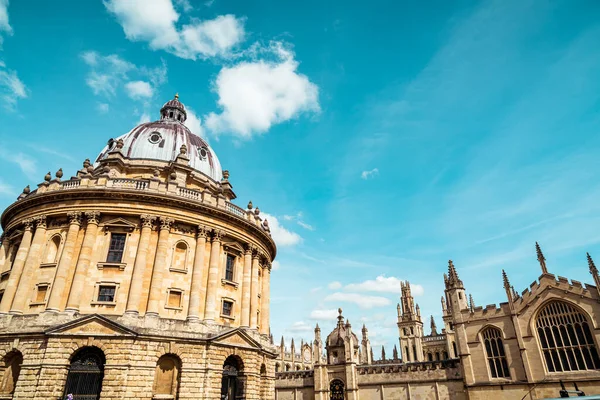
(59,173)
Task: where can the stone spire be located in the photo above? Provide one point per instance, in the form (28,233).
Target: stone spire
(541,258)
(433,327)
(507,287)
(382,353)
(282,343)
(395,353)
(453,281)
(594,272)
(471,303)
(418,312)
(371,353)
(443,304)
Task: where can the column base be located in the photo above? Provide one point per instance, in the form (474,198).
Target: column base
(131,313)
(193,319)
(51,311)
(152,314)
(209,321)
(15,312)
(71,310)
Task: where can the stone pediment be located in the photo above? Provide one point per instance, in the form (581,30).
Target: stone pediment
(234,246)
(119,223)
(237,338)
(92,325)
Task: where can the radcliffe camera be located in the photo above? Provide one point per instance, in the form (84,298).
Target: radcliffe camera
(309,200)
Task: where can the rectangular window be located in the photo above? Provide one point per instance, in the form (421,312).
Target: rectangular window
(174,299)
(40,296)
(117,245)
(227,307)
(229,267)
(106,294)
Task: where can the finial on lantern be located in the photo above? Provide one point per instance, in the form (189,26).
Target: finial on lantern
(183,149)
(225,174)
(250,205)
(86,163)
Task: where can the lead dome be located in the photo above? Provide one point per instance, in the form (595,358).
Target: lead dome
(162,140)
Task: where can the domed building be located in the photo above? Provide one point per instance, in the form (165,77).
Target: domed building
(137,278)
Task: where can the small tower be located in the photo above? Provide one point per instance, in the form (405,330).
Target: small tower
(317,346)
(594,272)
(455,291)
(410,326)
(365,347)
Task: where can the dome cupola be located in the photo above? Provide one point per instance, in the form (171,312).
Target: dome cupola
(173,110)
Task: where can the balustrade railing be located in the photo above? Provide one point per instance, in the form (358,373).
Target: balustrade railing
(190,194)
(130,183)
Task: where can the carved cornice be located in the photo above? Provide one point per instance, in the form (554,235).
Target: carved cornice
(74,217)
(87,196)
(147,220)
(93,217)
(40,221)
(166,222)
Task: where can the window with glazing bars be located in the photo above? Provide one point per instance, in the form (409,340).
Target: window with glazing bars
(227,307)
(117,245)
(566,338)
(494,349)
(229,267)
(106,294)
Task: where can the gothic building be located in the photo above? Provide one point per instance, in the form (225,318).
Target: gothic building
(137,278)
(524,348)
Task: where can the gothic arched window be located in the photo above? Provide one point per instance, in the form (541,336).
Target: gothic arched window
(566,338)
(166,376)
(494,349)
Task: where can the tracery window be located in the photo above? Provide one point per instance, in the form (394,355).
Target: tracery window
(566,339)
(494,349)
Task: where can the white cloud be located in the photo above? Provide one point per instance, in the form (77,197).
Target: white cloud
(324,315)
(184,5)
(281,235)
(300,326)
(26,163)
(384,285)
(11,89)
(4,25)
(316,289)
(102,108)
(275,265)
(155,22)
(6,189)
(306,226)
(193,123)
(334,285)
(369,174)
(254,95)
(145,117)
(139,90)
(299,221)
(362,301)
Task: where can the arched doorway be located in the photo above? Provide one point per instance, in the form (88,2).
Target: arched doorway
(11,367)
(86,372)
(232,383)
(336,390)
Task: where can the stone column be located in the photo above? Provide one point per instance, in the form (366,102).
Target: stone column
(210,311)
(160,264)
(85,258)
(198,290)
(254,292)
(246,282)
(62,271)
(139,267)
(4,251)
(31,264)
(17,269)
(265,300)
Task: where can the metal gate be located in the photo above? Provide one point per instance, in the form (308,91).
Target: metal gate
(84,381)
(336,390)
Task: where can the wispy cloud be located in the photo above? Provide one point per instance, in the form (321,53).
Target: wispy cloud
(370,173)
(6,189)
(324,314)
(281,235)
(383,284)
(362,301)
(26,164)
(334,285)
(12,88)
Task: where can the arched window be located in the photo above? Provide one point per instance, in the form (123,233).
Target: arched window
(180,256)
(414,353)
(407,353)
(566,338)
(298,368)
(52,250)
(429,357)
(232,383)
(277,367)
(287,367)
(11,367)
(437,356)
(166,376)
(494,349)
(86,373)
(454,349)
(445,354)
(336,390)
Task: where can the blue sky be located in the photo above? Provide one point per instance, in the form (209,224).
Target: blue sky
(381,140)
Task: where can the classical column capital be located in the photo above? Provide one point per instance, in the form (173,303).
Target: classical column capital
(202,231)
(27,224)
(217,235)
(74,217)
(147,220)
(3,239)
(268,266)
(249,249)
(166,222)
(93,217)
(40,221)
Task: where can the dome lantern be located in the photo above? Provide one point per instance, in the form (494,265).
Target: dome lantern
(173,110)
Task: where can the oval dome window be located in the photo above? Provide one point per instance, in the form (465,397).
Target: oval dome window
(203,152)
(154,137)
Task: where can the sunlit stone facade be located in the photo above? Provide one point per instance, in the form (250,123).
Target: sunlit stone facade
(140,269)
